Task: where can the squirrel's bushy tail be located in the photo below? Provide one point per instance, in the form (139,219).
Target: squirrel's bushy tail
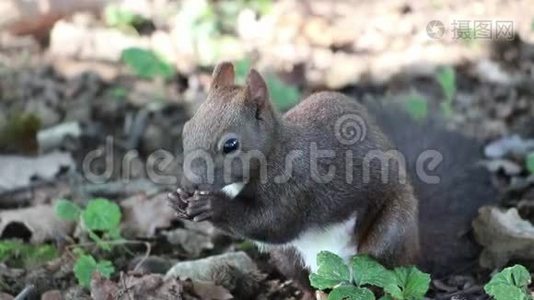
(447,208)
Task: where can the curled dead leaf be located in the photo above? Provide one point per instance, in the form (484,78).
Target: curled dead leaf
(504,236)
(36,224)
(144,215)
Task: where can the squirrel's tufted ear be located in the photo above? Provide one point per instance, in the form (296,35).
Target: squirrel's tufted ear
(257,91)
(223,75)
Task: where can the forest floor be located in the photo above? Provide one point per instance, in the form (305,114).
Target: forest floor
(75,94)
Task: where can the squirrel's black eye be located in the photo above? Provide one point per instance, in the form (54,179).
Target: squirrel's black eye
(230,145)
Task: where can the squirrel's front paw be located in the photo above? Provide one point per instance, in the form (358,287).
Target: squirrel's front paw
(196,207)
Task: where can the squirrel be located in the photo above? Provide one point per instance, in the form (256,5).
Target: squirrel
(326,175)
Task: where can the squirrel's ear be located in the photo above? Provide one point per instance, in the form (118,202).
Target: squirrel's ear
(223,75)
(257,91)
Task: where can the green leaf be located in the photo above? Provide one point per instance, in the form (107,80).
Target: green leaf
(284,96)
(331,271)
(146,63)
(412,284)
(510,283)
(417,107)
(366,270)
(84,268)
(101,214)
(105,267)
(447,80)
(530,163)
(350,292)
(86,265)
(67,210)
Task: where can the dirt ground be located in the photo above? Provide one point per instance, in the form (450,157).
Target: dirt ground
(67,93)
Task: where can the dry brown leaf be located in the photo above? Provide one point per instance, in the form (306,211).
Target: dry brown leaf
(209,291)
(504,235)
(193,242)
(41,221)
(151,286)
(143,215)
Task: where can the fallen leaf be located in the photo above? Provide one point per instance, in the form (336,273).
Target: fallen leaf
(209,291)
(512,145)
(19,171)
(39,222)
(234,271)
(144,215)
(202,269)
(151,286)
(193,242)
(504,236)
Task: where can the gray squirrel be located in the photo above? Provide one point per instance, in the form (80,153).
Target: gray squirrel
(329,174)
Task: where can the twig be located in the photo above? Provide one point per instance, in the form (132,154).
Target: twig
(25,292)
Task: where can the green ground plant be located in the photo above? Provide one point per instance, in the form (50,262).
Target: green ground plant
(100,219)
(510,284)
(352,281)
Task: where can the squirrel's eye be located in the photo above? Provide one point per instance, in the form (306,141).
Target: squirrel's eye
(230,145)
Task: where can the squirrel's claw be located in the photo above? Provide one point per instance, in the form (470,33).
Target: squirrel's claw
(203,216)
(196,207)
(178,203)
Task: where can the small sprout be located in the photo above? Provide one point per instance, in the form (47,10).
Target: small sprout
(350,292)
(368,271)
(410,284)
(510,283)
(86,265)
(101,214)
(67,210)
(331,271)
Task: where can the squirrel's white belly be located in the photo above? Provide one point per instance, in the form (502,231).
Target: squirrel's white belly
(336,238)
